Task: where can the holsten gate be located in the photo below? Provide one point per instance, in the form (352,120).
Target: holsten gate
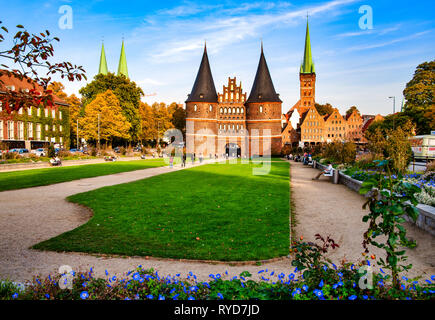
(229,123)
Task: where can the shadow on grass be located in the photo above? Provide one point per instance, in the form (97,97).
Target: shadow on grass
(212,212)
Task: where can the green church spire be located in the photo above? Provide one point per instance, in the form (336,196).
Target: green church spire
(103,63)
(122,67)
(307,65)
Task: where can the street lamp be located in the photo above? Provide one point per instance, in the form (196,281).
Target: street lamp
(394,109)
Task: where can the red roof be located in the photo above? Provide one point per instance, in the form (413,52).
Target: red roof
(8,82)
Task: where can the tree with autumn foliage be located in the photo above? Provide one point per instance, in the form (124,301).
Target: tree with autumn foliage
(29,55)
(113,123)
(127,92)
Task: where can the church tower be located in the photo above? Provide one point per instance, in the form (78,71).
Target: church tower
(307,77)
(103,63)
(263,112)
(202,111)
(122,66)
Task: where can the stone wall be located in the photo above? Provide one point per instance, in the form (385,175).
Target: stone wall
(426,219)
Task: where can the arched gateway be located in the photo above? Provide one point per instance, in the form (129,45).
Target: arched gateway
(233,150)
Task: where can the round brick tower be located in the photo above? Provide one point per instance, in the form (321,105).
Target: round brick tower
(201,112)
(263,113)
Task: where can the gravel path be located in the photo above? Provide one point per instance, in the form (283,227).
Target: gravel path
(29,216)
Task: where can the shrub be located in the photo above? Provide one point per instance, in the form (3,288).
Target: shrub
(390,199)
(11,155)
(339,152)
(64,154)
(122,151)
(51,153)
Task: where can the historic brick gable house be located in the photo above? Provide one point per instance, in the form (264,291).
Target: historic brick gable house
(35,126)
(305,125)
(229,123)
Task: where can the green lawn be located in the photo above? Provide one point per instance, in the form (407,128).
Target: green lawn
(41,177)
(213,212)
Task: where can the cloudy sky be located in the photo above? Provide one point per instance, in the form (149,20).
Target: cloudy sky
(164,43)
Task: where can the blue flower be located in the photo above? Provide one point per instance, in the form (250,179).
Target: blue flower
(335,286)
(433,278)
(218,276)
(211,275)
(352,297)
(382,270)
(365,297)
(318,293)
(193,288)
(291,276)
(150,296)
(321,283)
(47,296)
(296,291)
(114,278)
(84,295)
(107,273)
(261,271)
(84,284)
(305,287)
(15,295)
(191,298)
(220,295)
(161,297)
(175,297)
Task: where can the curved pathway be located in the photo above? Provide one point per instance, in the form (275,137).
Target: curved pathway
(29,216)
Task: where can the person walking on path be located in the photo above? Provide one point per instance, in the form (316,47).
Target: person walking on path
(183,161)
(171,161)
(192,158)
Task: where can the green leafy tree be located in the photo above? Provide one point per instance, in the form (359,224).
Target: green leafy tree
(127,92)
(419,94)
(392,122)
(324,109)
(178,117)
(351,110)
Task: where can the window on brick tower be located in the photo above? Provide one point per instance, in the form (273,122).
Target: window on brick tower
(261,109)
(210,108)
(221,110)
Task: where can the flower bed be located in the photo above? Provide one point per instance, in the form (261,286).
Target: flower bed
(334,283)
(427,186)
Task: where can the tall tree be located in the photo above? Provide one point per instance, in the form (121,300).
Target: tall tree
(324,109)
(147,122)
(29,55)
(351,110)
(127,92)
(178,117)
(113,124)
(419,94)
(393,121)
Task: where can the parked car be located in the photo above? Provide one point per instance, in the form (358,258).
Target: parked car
(40,152)
(19,150)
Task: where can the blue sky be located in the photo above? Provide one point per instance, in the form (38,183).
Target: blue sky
(164,44)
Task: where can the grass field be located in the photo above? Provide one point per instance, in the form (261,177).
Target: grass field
(41,177)
(212,212)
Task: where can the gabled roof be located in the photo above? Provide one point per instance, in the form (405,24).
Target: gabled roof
(203,89)
(7,82)
(263,89)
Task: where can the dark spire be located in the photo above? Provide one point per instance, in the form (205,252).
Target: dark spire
(203,88)
(263,89)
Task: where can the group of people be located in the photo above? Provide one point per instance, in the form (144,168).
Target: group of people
(307,159)
(55,161)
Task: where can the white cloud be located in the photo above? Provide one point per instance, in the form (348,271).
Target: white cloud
(223,30)
(387,43)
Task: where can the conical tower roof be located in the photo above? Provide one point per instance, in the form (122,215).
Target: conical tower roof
(203,88)
(103,63)
(263,89)
(307,65)
(122,67)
